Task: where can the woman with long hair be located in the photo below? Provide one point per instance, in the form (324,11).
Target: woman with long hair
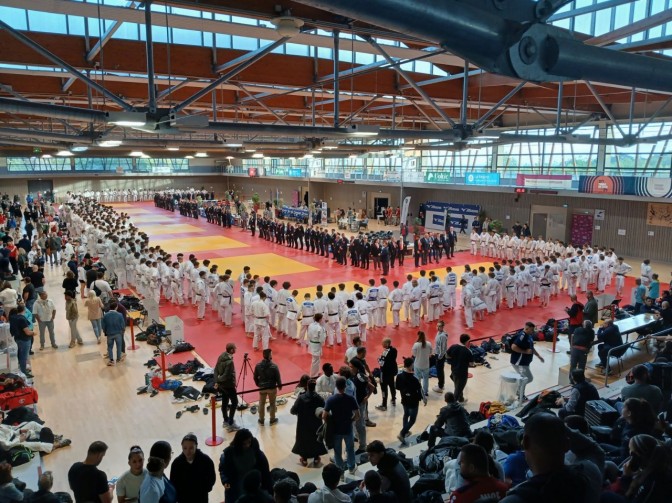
(239,458)
(94,308)
(647,473)
(308,411)
(422,350)
(637,418)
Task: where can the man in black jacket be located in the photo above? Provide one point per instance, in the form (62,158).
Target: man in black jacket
(267,378)
(411,393)
(610,337)
(388,371)
(582,344)
(395,478)
(192,473)
(459,357)
(581,393)
(225,384)
(451,421)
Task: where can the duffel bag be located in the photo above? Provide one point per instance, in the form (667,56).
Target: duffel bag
(18,398)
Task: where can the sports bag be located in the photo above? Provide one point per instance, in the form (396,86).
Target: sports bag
(18,398)
(20,455)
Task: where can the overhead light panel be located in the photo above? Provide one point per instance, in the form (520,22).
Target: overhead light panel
(80,148)
(352,156)
(229,157)
(64,153)
(258,155)
(188,156)
(127,119)
(136,153)
(307,156)
(173,149)
(234,145)
(201,154)
(250,150)
(109,143)
(46,156)
(145,156)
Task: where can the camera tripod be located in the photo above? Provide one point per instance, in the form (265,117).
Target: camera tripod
(242,375)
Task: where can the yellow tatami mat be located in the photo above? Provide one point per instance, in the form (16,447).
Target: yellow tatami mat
(198,244)
(159,230)
(264,264)
(150,219)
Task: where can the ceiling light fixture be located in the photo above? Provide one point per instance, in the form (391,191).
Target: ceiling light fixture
(201,154)
(234,145)
(64,153)
(352,156)
(287,26)
(188,156)
(136,153)
(307,156)
(173,149)
(46,156)
(80,148)
(109,143)
(258,155)
(127,119)
(229,157)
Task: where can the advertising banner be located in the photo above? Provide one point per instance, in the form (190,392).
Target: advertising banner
(451,211)
(626,185)
(296,213)
(558,182)
(438,177)
(404,210)
(481,179)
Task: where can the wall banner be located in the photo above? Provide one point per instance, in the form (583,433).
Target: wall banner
(557,182)
(626,185)
(659,214)
(451,211)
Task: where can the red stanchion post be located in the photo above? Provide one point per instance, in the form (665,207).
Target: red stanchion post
(132,347)
(555,337)
(214,439)
(163,366)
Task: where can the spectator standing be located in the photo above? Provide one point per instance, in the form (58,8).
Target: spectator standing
(308,409)
(522,352)
(440,349)
(422,350)
(128,485)
(44,311)
(411,394)
(20,329)
(590,309)
(225,384)
(72,315)
(388,371)
(87,482)
(267,378)
(113,326)
(239,458)
(94,311)
(581,345)
(460,358)
(341,409)
(193,472)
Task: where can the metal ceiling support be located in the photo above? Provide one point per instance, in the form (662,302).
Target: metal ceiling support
(337,87)
(479,123)
(411,82)
(66,66)
(351,72)
(465,94)
(322,132)
(604,106)
(262,51)
(111,30)
(439,80)
(362,108)
(263,105)
(497,116)
(647,23)
(258,54)
(56,111)
(43,135)
(149,45)
(10,90)
(655,115)
(587,10)
(536,52)
(466,30)
(631,114)
(558,118)
(425,114)
(170,90)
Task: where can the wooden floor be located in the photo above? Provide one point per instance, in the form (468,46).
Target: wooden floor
(84,400)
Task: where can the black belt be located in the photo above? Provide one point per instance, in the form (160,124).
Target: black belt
(260,317)
(545,284)
(620,274)
(332,314)
(352,326)
(510,287)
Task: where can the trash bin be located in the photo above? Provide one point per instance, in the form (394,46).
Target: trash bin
(508,387)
